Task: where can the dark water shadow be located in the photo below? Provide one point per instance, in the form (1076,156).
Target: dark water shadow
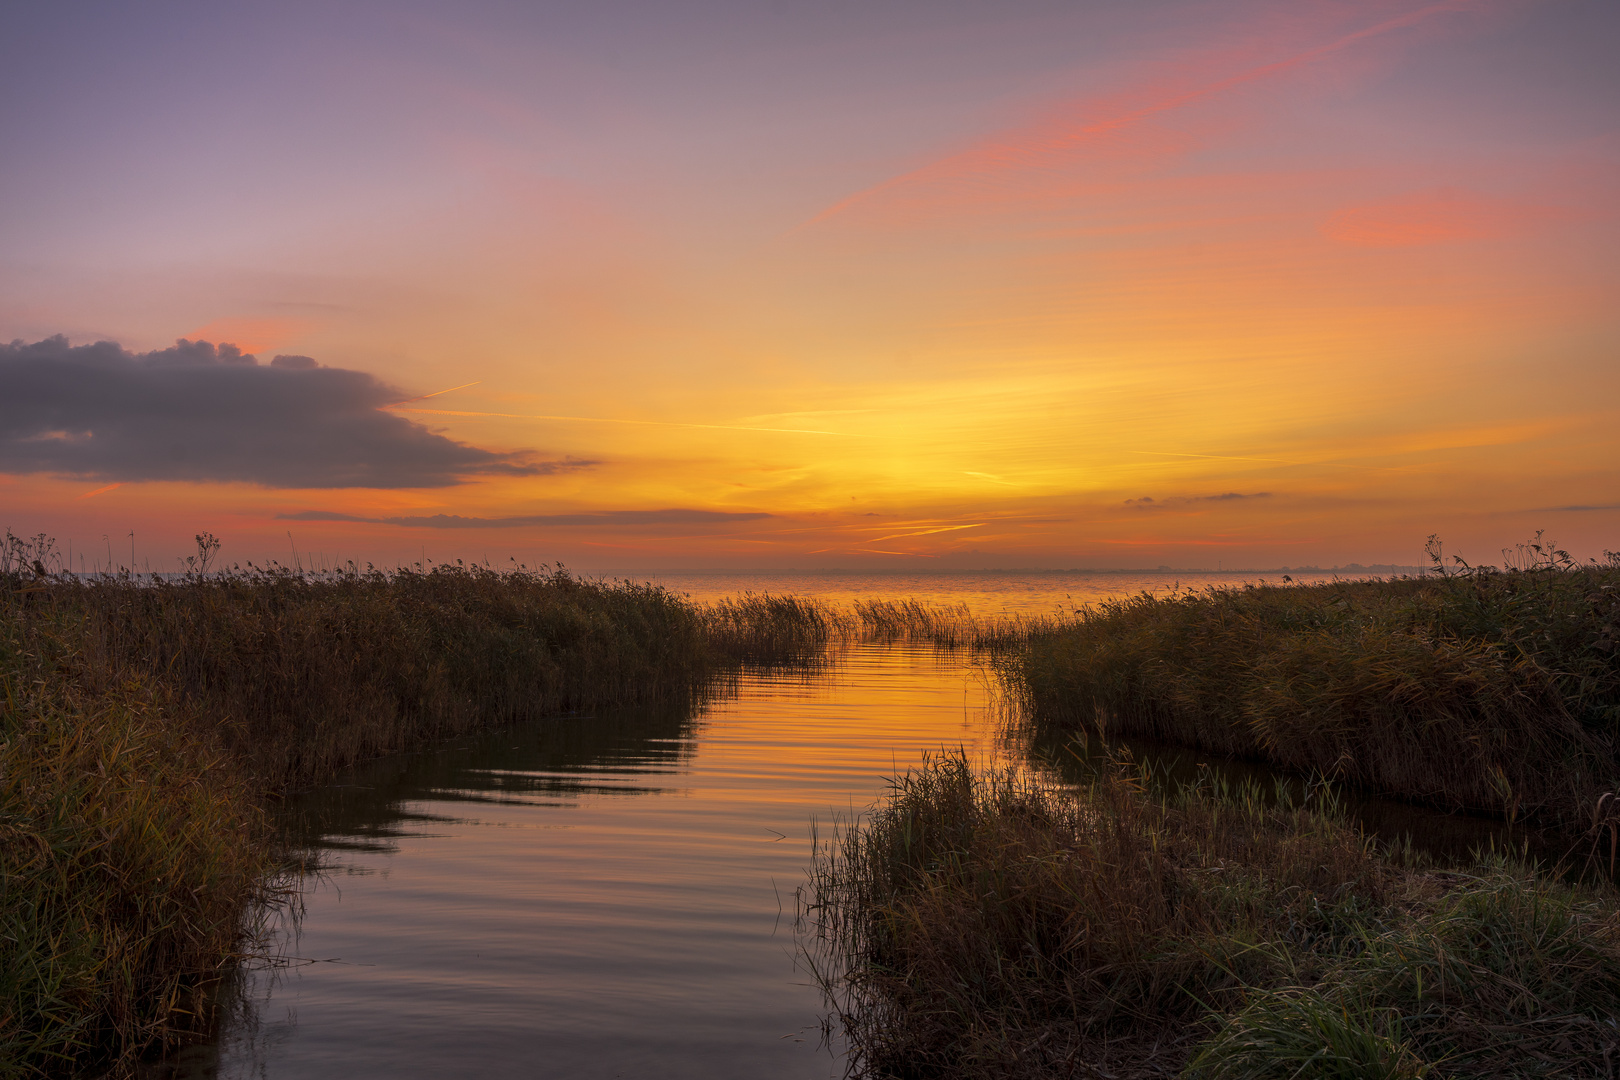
(1445,838)
(552,761)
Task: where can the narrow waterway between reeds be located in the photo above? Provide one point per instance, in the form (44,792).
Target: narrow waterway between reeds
(610,895)
(597,896)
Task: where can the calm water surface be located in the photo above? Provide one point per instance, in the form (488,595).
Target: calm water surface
(605,896)
(612,895)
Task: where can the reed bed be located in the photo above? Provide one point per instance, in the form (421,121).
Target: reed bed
(949,626)
(991,925)
(129,850)
(1483,690)
(149,720)
(304,675)
(772,629)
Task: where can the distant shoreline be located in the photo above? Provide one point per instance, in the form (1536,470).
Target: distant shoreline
(1352,568)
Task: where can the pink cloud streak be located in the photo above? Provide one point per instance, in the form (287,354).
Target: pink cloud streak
(1027,149)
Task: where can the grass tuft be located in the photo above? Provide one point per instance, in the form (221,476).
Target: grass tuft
(1284,1035)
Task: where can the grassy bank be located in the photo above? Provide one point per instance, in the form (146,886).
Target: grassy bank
(1486,690)
(147,722)
(994,927)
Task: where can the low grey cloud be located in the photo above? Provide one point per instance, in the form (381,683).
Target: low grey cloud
(1148,502)
(606,517)
(200,412)
(1579,507)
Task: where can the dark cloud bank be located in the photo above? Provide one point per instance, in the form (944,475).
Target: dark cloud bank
(200,412)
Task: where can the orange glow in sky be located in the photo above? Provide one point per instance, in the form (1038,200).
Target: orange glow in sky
(949,286)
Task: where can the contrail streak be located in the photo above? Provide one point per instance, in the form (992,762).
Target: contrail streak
(435,393)
(99,491)
(921,532)
(1271,460)
(639,423)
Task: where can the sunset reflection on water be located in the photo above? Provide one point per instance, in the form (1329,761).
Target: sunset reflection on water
(596,896)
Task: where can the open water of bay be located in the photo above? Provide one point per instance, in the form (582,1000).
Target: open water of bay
(986,593)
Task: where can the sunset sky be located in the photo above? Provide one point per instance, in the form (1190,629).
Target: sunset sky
(877,284)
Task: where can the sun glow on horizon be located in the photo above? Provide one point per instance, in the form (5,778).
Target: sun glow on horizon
(1044,286)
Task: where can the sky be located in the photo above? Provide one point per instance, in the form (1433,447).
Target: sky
(943,285)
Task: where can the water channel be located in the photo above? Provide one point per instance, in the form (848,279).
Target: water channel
(596,896)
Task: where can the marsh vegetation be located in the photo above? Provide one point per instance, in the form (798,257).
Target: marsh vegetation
(991,924)
(998,923)
(149,721)
(979,923)
(1481,689)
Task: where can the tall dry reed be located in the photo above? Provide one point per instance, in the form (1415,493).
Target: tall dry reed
(1492,690)
(949,626)
(771,629)
(129,844)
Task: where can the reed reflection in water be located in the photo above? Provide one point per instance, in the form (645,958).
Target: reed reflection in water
(606,896)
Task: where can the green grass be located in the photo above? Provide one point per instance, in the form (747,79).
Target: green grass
(1493,691)
(995,926)
(1504,974)
(148,722)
